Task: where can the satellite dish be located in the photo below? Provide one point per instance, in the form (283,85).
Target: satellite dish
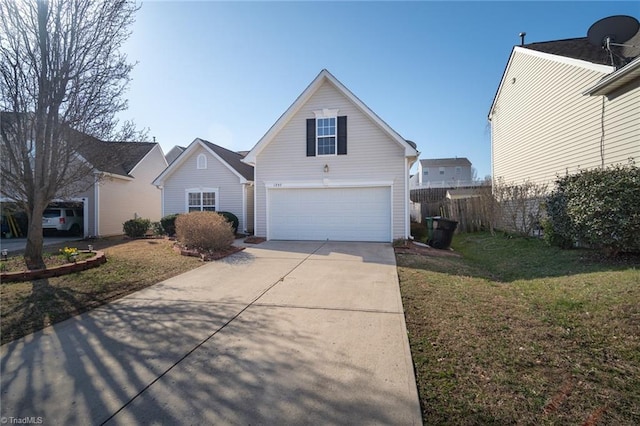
(614,29)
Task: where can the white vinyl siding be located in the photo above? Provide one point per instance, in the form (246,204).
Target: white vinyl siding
(543,127)
(216,175)
(371,156)
(336,214)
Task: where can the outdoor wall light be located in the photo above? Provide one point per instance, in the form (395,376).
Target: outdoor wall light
(5,254)
(326,168)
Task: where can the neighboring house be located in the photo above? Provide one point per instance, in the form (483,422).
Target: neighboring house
(206,176)
(548,117)
(122,189)
(113,182)
(443,173)
(174,153)
(331,169)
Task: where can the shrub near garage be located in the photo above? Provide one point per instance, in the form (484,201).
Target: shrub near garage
(599,207)
(207,231)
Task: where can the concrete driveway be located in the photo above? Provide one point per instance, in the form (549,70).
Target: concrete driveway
(281,333)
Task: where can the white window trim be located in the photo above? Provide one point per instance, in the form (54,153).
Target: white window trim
(201,162)
(441,171)
(187,191)
(327,113)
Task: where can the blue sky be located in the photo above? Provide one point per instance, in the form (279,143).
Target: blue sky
(225,71)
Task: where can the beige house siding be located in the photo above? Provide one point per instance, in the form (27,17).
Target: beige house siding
(543,126)
(120,199)
(216,175)
(371,157)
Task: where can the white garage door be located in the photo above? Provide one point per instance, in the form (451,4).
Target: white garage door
(337,214)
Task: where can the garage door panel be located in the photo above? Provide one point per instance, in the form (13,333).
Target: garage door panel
(338,214)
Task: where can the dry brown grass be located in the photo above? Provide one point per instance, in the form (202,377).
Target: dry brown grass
(518,333)
(131,265)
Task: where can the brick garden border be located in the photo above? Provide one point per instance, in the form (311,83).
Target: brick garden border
(56,271)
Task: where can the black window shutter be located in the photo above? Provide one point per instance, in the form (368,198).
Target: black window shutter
(311,137)
(342,135)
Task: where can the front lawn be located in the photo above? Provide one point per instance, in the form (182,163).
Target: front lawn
(131,265)
(515,332)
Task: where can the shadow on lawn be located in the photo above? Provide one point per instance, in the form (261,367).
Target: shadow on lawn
(506,259)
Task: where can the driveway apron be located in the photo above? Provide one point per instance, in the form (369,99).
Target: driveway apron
(281,333)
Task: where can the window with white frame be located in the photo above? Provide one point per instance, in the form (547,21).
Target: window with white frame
(441,170)
(201,161)
(426,172)
(458,170)
(202,199)
(326,135)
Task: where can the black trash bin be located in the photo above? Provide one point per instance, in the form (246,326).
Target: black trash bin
(443,230)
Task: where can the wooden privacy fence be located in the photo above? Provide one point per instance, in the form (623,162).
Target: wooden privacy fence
(473,213)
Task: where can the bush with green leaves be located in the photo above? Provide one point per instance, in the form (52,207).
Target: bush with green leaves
(168,224)
(136,228)
(232,219)
(599,208)
(206,231)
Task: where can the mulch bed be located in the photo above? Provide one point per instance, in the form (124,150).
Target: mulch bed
(208,255)
(410,247)
(254,240)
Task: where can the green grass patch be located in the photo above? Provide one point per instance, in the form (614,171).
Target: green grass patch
(517,332)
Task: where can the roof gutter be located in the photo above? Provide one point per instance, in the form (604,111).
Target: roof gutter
(616,79)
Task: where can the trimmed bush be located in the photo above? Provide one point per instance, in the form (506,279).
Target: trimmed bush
(232,219)
(600,208)
(136,228)
(168,224)
(206,231)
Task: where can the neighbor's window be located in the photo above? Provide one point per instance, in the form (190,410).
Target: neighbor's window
(326,136)
(426,172)
(201,161)
(441,170)
(458,170)
(201,201)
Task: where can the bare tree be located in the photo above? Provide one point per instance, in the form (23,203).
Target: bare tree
(60,69)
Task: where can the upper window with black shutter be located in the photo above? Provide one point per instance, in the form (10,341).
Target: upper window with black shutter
(327,133)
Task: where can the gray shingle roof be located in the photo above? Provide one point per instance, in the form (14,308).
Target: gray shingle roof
(580,48)
(112,157)
(232,158)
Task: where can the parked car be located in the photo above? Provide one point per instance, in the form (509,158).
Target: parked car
(63,219)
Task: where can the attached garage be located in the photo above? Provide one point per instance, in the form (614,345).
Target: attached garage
(336,214)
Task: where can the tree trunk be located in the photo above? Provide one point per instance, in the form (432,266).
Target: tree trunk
(33,251)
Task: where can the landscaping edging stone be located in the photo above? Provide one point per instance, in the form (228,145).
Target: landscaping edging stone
(56,271)
(206,257)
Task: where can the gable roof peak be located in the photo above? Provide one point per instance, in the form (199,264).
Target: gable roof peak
(302,99)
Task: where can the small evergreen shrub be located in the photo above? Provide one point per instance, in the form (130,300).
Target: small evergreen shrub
(157,229)
(599,207)
(168,224)
(232,219)
(207,231)
(136,228)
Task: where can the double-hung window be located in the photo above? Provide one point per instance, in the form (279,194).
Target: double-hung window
(202,199)
(326,135)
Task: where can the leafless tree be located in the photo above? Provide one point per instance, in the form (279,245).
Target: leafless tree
(62,75)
